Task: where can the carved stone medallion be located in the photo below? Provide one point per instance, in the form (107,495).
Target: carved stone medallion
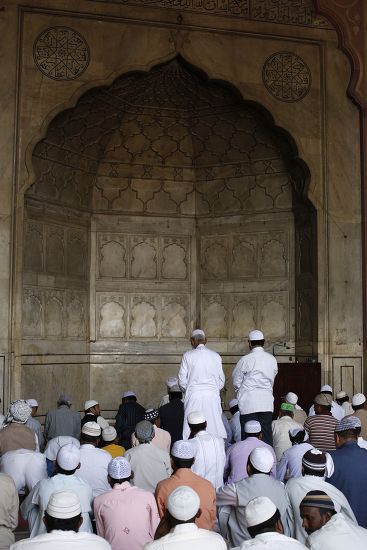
(286,76)
(61,53)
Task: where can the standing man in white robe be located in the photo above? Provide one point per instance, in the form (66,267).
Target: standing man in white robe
(201,377)
(253,379)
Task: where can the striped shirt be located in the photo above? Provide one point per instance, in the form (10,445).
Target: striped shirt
(320,429)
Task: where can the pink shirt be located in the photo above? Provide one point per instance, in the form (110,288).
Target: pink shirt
(237,457)
(126,517)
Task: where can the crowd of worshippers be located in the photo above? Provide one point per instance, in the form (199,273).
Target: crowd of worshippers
(166,477)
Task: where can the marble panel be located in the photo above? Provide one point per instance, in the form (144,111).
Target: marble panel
(33,246)
(143,257)
(144,316)
(112,257)
(174,258)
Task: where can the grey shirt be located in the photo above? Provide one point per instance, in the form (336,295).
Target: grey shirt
(232,499)
(62,421)
(35,425)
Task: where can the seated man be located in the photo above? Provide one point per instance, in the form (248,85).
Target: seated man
(327,529)
(26,468)
(63,520)
(232,499)
(35,424)
(265,527)
(237,455)
(210,455)
(299,414)
(52,448)
(314,464)
(93,461)
(162,438)
(127,506)
(128,415)
(63,420)
(92,411)
(9,505)
(110,442)
(34,506)
(149,463)
(172,414)
(280,429)
(290,464)
(234,422)
(15,434)
(182,459)
(178,529)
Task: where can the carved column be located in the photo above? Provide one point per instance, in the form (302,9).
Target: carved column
(350,20)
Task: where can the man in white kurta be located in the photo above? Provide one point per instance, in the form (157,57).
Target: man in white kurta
(338,533)
(263,522)
(280,429)
(201,377)
(93,461)
(314,467)
(253,379)
(209,451)
(34,506)
(182,509)
(63,520)
(26,468)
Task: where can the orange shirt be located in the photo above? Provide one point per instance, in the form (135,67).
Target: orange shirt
(114,450)
(205,490)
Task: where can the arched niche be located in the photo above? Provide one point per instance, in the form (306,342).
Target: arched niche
(175,203)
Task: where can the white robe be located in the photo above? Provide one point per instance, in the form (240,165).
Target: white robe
(272,541)
(188,536)
(338,533)
(34,506)
(26,468)
(201,377)
(298,487)
(210,457)
(60,540)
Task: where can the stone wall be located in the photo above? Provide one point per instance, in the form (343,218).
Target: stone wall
(125,205)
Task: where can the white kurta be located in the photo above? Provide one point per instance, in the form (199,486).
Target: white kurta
(94,468)
(201,377)
(338,533)
(34,506)
(26,468)
(210,457)
(55,444)
(273,541)
(297,489)
(61,540)
(253,379)
(188,535)
(281,440)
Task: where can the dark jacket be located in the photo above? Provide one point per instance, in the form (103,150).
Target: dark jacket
(172,418)
(129,414)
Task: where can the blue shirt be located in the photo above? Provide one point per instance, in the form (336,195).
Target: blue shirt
(350,477)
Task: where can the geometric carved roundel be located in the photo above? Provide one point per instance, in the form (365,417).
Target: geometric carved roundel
(286,76)
(61,53)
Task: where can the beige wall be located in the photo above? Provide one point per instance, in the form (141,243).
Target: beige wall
(228,47)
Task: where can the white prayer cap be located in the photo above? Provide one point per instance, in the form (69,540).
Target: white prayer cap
(128,393)
(119,468)
(252,427)
(183,449)
(233,403)
(262,459)
(102,422)
(89,404)
(196,417)
(55,444)
(109,434)
(68,457)
(198,332)
(291,398)
(171,381)
(358,399)
(326,388)
(259,510)
(341,394)
(32,402)
(255,335)
(64,505)
(91,428)
(183,503)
